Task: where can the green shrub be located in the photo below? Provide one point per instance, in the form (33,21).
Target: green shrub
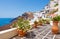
(56,5)
(23,24)
(56,18)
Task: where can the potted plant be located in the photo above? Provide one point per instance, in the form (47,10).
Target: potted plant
(35,24)
(22,26)
(41,21)
(47,21)
(56,5)
(55,19)
(44,21)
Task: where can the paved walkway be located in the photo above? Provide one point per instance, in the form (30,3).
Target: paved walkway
(42,32)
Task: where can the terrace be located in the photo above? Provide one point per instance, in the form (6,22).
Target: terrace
(42,32)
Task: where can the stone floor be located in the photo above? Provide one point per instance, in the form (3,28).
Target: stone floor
(42,32)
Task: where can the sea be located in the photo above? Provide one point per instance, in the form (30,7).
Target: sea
(4,21)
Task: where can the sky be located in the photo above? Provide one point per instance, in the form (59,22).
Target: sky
(14,8)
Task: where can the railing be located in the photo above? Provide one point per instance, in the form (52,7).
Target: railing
(6,34)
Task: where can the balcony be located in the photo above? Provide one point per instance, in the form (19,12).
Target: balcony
(42,32)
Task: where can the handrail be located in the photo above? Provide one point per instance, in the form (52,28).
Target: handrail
(6,34)
(4,31)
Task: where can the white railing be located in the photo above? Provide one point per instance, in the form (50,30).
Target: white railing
(6,34)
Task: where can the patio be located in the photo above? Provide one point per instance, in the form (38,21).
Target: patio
(42,32)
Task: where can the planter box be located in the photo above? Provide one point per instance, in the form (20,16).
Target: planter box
(6,34)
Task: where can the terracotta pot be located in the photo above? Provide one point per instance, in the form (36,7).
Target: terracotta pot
(21,33)
(47,23)
(55,23)
(40,24)
(35,25)
(55,27)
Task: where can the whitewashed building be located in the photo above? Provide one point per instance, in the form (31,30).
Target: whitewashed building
(52,6)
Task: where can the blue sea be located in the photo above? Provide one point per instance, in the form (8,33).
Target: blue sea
(4,21)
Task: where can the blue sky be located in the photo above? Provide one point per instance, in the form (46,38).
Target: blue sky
(14,8)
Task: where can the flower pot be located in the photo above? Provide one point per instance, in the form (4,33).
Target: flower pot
(40,24)
(35,25)
(55,23)
(47,23)
(21,33)
(55,27)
